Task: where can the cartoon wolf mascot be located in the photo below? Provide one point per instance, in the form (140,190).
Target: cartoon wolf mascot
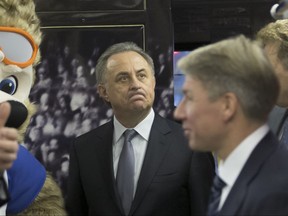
(31,191)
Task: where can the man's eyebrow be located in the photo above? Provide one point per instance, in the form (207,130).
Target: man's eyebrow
(122,73)
(184,91)
(141,70)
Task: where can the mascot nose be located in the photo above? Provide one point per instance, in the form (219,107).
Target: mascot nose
(18,114)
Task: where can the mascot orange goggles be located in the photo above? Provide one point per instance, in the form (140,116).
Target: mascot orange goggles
(17,46)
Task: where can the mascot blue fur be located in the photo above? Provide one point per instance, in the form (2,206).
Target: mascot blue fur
(31,191)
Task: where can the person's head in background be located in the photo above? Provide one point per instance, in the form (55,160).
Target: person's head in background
(274,38)
(125,80)
(229,89)
(280,11)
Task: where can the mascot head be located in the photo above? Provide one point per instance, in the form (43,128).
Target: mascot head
(20,37)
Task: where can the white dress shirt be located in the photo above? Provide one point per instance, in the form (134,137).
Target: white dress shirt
(3,208)
(139,143)
(230,169)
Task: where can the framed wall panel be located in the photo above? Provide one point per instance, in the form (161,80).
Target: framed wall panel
(89,5)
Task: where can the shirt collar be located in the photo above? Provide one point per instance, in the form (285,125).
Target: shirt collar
(143,128)
(230,169)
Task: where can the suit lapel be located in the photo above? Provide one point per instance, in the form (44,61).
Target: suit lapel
(104,156)
(250,170)
(276,118)
(155,153)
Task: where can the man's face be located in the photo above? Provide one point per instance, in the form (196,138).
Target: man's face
(201,118)
(129,85)
(281,73)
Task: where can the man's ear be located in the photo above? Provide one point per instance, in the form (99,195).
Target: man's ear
(102,92)
(230,105)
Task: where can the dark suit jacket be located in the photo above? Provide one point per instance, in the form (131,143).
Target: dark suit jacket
(262,186)
(173,180)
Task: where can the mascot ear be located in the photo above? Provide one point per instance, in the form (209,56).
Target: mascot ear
(18,114)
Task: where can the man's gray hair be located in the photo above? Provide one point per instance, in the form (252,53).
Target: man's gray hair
(101,66)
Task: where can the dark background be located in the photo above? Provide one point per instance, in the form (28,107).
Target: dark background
(198,22)
(76,32)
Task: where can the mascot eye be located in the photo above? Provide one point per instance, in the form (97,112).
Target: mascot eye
(9,85)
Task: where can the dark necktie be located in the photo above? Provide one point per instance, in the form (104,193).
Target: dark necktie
(215,196)
(125,173)
(4,195)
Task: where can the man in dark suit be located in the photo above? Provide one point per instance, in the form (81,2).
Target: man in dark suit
(167,177)
(274,38)
(229,89)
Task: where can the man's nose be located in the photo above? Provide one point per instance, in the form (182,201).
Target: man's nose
(135,83)
(179,111)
